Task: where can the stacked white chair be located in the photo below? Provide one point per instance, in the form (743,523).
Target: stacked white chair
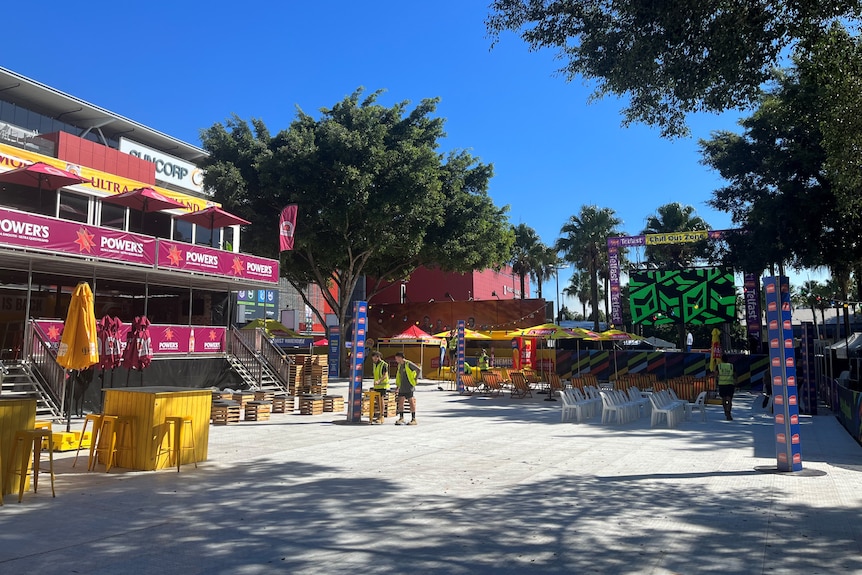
(664,405)
(642,401)
(569,408)
(686,405)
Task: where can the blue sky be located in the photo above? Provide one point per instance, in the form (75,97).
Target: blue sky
(180,67)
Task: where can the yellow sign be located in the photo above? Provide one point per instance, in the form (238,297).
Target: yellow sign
(676,238)
(12,158)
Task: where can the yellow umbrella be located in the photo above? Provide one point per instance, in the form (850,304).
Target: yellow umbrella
(468,334)
(79,347)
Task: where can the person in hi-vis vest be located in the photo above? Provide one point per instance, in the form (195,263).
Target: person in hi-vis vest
(726,381)
(380,370)
(406,378)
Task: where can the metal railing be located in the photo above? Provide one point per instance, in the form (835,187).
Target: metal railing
(278,362)
(241,346)
(43,360)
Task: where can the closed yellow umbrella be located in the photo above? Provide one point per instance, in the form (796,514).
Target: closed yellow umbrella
(79,347)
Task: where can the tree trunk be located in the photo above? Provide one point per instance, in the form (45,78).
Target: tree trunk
(522,285)
(594,294)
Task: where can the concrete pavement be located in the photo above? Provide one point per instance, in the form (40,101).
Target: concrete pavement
(481,485)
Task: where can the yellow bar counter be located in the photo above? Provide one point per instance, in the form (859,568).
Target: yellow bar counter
(15,415)
(149,407)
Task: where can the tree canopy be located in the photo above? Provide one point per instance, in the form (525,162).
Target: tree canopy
(674,57)
(374,195)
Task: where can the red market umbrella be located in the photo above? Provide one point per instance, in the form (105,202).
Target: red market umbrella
(110,350)
(139,347)
(144,199)
(41,175)
(213,218)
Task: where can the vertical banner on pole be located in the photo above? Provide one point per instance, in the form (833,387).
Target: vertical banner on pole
(459,370)
(807,382)
(334,355)
(360,323)
(785,394)
(752,307)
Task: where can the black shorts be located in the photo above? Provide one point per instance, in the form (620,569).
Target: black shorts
(725,390)
(405,392)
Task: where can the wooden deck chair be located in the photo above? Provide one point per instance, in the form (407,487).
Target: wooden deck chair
(555,385)
(520,387)
(469,384)
(492,385)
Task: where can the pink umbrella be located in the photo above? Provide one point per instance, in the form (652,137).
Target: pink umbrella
(213,218)
(144,199)
(41,175)
(139,347)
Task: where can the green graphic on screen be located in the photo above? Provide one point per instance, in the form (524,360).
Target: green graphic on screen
(700,296)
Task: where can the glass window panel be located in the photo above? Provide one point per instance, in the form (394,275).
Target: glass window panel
(113,216)
(203,236)
(74,207)
(182,231)
(228,239)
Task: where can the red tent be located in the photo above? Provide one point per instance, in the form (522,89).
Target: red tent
(414,332)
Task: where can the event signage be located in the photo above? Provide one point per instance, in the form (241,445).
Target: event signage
(169,169)
(785,394)
(201,259)
(617,242)
(12,158)
(357,359)
(752,306)
(31,231)
(334,350)
(166,339)
(459,371)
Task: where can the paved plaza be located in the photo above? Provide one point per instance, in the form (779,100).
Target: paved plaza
(481,485)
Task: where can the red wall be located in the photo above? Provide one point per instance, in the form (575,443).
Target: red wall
(92,155)
(426,284)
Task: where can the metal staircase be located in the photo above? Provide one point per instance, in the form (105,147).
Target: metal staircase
(261,365)
(19,380)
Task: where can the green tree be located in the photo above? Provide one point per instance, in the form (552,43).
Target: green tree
(544,267)
(579,288)
(526,251)
(675,217)
(375,197)
(583,242)
(668,59)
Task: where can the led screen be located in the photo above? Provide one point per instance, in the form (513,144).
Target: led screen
(693,296)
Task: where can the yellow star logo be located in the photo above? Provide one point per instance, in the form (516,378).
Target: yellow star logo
(237,266)
(213,335)
(175,255)
(53,332)
(85,241)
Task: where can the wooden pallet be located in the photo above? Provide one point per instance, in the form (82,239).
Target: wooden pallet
(224,413)
(243,397)
(258,410)
(333,403)
(310,405)
(263,395)
(279,403)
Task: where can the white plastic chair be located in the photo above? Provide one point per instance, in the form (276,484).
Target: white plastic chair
(664,405)
(611,406)
(569,409)
(700,404)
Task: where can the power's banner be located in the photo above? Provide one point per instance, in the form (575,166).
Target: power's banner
(357,359)
(459,370)
(788,445)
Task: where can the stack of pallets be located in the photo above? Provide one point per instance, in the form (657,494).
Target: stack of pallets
(333,403)
(258,410)
(310,404)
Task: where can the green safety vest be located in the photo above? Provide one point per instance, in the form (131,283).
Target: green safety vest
(378,374)
(483,362)
(725,374)
(411,375)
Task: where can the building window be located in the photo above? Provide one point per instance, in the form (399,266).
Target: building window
(113,216)
(182,231)
(28,199)
(74,207)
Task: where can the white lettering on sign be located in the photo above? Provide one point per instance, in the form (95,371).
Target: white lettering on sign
(212,345)
(19,228)
(260,269)
(168,168)
(199,258)
(169,345)
(121,245)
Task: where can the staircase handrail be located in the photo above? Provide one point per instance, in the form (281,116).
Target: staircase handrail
(240,345)
(51,375)
(281,364)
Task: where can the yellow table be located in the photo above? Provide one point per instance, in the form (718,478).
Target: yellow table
(150,406)
(15,415)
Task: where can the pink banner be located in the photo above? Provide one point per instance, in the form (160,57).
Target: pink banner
(287,227)
(166,339)
(201,259)
(23,230)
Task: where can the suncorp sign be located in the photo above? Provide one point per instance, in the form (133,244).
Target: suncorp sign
(168,168)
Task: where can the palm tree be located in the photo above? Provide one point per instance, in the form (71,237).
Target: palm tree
(579,288)
(669,218)
(584,243)
(808,296)
(524,253)
(544,267)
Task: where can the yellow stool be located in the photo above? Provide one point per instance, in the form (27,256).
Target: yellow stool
(106,446)
(27,440)
(125,437)
(42,424)
(174,432)
(96,420)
